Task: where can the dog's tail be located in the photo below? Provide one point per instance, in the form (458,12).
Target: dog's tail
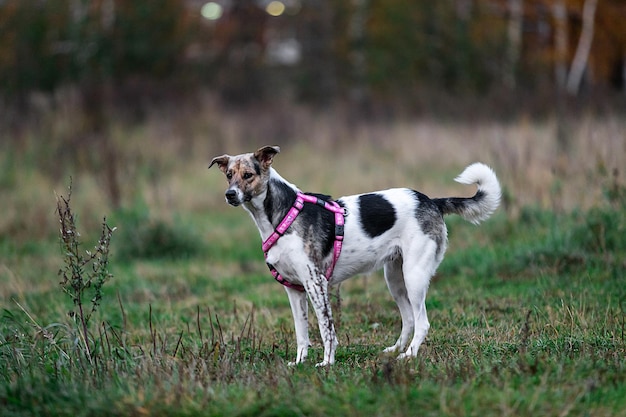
(486,200)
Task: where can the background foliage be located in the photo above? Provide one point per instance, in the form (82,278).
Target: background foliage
(347,48)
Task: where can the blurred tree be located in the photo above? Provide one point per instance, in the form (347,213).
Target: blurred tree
(27,56)
(514,42)
(455,45)
(46,43)
(608,54)
(240,46)
(357,57)
(134,49)
(579,63)
(317,33)
(561,42)
(586,42)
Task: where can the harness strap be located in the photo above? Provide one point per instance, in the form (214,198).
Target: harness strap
(290,218)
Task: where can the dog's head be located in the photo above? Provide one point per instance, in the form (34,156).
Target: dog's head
(247,174)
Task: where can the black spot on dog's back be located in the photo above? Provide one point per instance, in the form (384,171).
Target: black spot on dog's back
(377,214)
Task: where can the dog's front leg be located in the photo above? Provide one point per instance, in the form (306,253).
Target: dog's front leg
(317,288)
(300,311)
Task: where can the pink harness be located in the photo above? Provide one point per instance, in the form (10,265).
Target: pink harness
(291,217)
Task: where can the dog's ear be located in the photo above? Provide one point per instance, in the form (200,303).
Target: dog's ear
(265,155)
(221,161)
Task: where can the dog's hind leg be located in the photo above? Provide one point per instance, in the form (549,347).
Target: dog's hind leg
(397,288)
(317,289)
(417,274)
(300,311)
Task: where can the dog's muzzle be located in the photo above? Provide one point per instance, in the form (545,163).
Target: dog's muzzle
(232,198)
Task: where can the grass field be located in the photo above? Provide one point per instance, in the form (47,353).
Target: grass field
(528,311)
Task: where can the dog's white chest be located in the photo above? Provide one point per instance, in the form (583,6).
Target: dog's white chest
(285,255)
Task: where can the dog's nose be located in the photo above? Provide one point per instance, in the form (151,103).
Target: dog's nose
(232,197)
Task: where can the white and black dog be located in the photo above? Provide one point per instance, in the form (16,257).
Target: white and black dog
(400,230)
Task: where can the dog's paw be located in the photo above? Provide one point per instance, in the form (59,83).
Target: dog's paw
(391,349)
(296,362)
(323,364)
(409,354)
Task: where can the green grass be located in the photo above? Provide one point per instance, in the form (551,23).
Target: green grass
(529,320)
(528,311)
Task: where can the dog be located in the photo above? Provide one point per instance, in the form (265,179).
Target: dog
(399,229)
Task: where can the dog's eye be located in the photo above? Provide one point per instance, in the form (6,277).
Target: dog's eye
(229,176)
(247,176)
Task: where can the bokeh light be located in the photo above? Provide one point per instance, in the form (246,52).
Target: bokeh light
(212,11)
(275,8)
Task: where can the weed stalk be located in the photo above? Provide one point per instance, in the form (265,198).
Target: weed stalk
(77,279)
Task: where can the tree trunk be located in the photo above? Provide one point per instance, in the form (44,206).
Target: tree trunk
(358,61)
(561,41)
(317,34)
(514,35)
(579,64)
